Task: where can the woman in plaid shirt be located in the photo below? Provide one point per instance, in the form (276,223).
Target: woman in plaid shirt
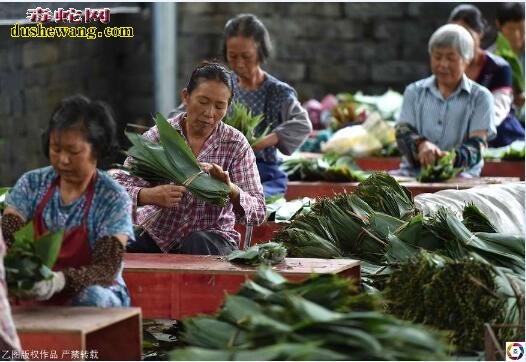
(187,225)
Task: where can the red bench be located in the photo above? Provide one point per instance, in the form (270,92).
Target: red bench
(175,286)
(79,333)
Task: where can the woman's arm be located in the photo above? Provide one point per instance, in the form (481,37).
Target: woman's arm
(295,128)
(106,259)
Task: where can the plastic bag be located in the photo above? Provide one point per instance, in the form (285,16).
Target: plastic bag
(354,141)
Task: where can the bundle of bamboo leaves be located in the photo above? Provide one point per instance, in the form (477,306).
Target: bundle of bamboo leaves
(30,260)
(331,167)
(172,160)
(242,119)
(443,169)
(452,295)
(270,319)
(378,225)
(267,253)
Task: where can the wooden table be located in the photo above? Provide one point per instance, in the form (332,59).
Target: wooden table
(300,189)
(79,333)
(176,286)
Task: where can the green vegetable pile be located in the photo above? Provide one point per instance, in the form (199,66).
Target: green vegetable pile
(442,170)
(427,290)
(172,160)
(30,260)
(243,120)
(268,253)
(331,167)
(379,225)
(319,319)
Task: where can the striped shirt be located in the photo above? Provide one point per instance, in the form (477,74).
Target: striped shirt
(226,147)
(448,122)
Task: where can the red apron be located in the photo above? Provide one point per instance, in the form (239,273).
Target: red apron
(75,250)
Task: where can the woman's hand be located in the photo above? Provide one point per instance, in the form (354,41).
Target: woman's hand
(428,153)
(162,195)
(217,172)
(266,142)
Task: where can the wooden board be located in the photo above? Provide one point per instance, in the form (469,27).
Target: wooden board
(176,286)
(300,189)
(107,333)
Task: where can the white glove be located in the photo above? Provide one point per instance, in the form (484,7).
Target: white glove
(44,289)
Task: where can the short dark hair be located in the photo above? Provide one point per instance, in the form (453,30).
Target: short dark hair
(510,12)
(470,15)
(210,71)
(248,26)
(95,119)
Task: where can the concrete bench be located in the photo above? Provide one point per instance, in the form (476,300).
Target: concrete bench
(79,333)
(175,286)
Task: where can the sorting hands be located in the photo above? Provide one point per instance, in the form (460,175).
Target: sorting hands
(168,195)
(218,173)
(429,153)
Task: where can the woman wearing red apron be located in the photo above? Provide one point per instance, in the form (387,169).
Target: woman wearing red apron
(74,196)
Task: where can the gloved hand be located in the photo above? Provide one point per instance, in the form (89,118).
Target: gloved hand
(44,289)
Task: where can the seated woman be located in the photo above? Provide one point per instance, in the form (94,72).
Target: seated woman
(73,195)
(9,342)
(494,73)
(246,46)
(446,110)
(510,46)
(186,224)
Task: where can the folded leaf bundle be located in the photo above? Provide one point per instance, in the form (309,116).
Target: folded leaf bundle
(268,253)
(443,169)
(243,120)
(172,160)
(30,260)
(384,194)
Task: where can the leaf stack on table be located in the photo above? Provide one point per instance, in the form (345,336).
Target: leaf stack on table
(379,225)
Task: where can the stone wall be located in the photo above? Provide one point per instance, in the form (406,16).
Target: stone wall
(319,48)
(326,47)
(36,73)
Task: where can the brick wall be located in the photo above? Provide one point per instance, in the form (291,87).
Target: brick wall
(36,73)
(318,48)
(326,47)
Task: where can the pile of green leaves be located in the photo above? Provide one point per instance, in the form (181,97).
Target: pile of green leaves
(270,319)
(443,169)
(378,225)
(450,295)
(331,167)
(172,160)
(512,152)
(30,260)
(242,119)
(268,253)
